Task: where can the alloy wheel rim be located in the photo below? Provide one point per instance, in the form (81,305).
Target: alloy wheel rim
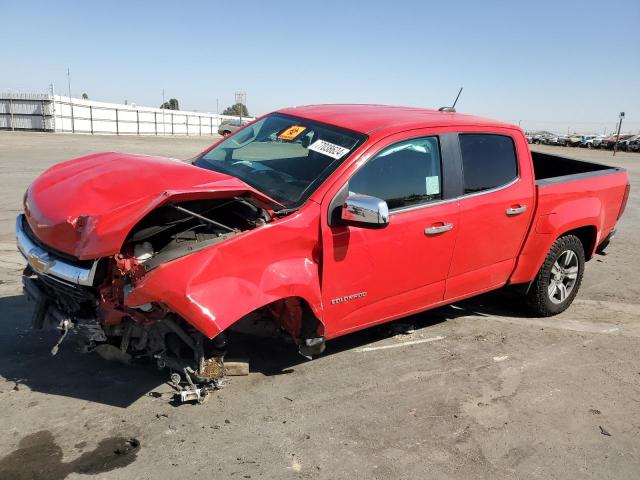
(563,278)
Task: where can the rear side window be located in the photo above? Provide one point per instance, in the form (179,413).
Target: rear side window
(488,161)
(404,174)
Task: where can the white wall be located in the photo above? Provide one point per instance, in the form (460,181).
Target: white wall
(42,111)
(26,111)
(88,116)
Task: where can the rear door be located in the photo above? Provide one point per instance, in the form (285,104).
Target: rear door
(495,210)
(373,275)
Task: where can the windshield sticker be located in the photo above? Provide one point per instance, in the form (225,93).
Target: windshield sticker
(291,133)
(328,149)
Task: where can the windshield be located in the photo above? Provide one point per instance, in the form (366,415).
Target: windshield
(285,157)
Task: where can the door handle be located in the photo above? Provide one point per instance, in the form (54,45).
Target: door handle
(516,210)
(435,230)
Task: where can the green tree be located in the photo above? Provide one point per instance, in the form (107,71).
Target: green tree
(235,110)
(85,96)
(172,104)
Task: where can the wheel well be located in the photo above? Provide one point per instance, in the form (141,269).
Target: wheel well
(293,314)
(587,236)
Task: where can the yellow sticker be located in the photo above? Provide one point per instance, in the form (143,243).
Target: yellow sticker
(291,133)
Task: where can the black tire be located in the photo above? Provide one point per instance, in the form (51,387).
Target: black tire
(225,133)
(539,296)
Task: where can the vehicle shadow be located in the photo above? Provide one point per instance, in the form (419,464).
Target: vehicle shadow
(269,357)
(25,360)
(25,357)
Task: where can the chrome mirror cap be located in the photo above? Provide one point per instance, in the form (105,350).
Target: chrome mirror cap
(365,211)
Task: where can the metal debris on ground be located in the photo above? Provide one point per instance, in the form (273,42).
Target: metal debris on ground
(193,386)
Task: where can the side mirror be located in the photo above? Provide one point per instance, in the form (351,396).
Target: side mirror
(364,211)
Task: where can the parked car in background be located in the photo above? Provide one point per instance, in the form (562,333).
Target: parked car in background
(624,144)
(609,142)
(591,141)
(587,141)
(538,137)
(227,127)
(574,140)
(558,140)
(634,145)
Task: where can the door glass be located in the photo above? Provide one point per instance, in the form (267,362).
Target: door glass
(488,161)
(404,174)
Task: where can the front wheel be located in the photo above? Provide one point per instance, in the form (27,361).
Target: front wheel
(559,278)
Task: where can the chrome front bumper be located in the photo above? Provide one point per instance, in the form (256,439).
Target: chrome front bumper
(46,263)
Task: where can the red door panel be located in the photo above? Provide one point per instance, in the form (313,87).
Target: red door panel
(370,275)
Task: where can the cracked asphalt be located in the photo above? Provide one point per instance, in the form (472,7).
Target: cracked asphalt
(480,389)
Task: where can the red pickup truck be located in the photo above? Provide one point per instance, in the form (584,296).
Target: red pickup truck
(319,220)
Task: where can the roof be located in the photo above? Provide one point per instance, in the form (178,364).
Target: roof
(370,118)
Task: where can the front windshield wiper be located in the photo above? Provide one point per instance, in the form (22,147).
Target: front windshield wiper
(285,211)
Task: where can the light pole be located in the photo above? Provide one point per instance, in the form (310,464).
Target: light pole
(615,145)
(73,127)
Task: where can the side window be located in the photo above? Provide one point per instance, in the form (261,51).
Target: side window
(403,174)
(488,161)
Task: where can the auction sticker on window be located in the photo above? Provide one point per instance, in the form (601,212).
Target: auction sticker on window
(291,133)
(327,148)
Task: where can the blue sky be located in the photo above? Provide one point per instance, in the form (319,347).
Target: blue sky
(546,64)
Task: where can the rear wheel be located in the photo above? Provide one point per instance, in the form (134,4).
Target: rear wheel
(559,278)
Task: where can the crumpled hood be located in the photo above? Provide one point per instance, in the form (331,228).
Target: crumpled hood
(87,206)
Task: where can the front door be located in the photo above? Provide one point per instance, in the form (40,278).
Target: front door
(373,275)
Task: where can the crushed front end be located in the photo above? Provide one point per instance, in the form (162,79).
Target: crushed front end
(86,298)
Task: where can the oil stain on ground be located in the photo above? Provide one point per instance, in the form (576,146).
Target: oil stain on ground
(39,457)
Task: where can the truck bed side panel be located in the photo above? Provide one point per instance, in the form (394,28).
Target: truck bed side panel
(568,203)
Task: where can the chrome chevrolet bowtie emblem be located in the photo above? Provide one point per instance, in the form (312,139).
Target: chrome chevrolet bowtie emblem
(40,263)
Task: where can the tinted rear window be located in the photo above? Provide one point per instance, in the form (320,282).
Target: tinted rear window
(488,161)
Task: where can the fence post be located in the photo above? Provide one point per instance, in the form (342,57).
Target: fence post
(44,117)
(186,122)
(117,126)
(138,121)
(211,125)
(155,122)
(73,125)
(171,123)
(11,111)
(91,117)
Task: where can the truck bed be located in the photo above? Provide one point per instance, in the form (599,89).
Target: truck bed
(550,168)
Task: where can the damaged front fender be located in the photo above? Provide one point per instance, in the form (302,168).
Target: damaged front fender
(213,288)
